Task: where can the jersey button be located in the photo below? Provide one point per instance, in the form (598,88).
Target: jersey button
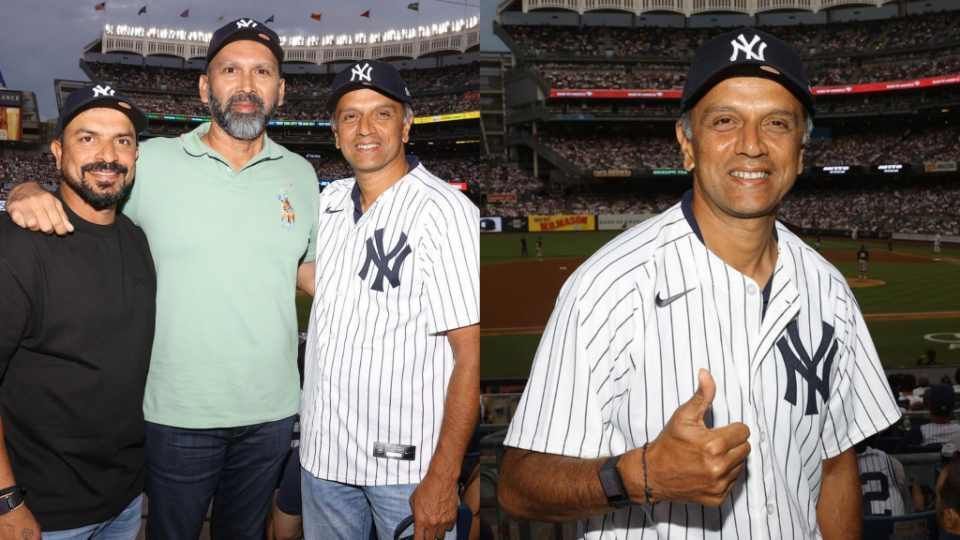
(751,289)
(771,509)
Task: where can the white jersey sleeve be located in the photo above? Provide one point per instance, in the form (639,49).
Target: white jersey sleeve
(861,404)
(452,275)
(580,370)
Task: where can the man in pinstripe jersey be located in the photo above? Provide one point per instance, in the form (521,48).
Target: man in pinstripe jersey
(706,374)
(391,388)
(886,491)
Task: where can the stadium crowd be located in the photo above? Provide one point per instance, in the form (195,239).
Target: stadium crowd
(447,79)
(906,210)
(839,71)
(303,109)
(627,151)
(833,39)
(19,165)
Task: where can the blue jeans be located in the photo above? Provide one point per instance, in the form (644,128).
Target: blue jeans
(123,526)
(237,467)
(332,510)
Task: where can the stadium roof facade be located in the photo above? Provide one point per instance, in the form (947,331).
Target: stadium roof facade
(687,7)
(449,36)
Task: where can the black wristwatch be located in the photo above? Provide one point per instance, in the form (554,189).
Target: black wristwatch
(10,499)
(612,484)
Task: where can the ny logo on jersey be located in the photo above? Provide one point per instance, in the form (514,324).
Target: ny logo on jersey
(247,23)
(381,258)
(361,73)
(799,362)
(100,90)
(740,45)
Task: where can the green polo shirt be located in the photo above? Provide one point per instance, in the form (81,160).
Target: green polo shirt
(226,245)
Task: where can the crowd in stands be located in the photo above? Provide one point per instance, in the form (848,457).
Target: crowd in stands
(838,71)
(831,39)
(19,165)
(926,211)
(305,109)
(625,151)
(445,79)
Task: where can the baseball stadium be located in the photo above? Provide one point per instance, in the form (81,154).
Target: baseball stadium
(581,111)
(158,69)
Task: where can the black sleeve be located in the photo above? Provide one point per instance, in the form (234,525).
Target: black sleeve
(14,312)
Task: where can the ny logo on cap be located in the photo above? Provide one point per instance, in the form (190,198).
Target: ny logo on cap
(246,23)
(740,45)
(361,73)
(100,90)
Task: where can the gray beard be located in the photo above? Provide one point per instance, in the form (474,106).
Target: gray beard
(243,126)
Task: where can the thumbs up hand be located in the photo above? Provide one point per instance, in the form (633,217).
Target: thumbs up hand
(689,462)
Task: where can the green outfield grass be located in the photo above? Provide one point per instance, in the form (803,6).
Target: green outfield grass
(898,342)
(910,288)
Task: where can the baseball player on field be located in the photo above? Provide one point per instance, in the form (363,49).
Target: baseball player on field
(706,374)
(392,369)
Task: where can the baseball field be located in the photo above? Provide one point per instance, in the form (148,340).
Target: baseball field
(915,308)
(911,303)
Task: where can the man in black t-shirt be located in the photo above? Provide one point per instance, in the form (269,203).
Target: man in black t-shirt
(77,327)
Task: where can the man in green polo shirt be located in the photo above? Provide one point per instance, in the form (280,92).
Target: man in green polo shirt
(230,216)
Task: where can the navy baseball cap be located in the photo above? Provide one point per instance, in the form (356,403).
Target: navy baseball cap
(95,96)
(746,53)
(940,398)
(373,74)
(244,29)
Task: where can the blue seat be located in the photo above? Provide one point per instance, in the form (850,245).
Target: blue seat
(919,526)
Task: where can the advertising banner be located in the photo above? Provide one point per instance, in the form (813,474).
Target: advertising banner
(616,222)
(562,222)
(491,224)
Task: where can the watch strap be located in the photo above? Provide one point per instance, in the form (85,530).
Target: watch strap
(612,484)
(10,499)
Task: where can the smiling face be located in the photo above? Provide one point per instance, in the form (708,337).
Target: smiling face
(747,146)
(242,88)
(97,156)
(371,130)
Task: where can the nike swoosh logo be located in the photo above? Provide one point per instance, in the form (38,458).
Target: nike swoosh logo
(332,211)
(664,302)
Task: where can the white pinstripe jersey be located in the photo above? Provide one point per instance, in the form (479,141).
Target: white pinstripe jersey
(884,484)
(389,281)
(940,433)
(612,367)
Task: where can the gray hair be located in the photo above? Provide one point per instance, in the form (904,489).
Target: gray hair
(407,116)
(687,127)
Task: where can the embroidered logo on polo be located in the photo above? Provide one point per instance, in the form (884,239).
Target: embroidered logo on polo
(751,51)
(798,362)
(388,263)
(287,215)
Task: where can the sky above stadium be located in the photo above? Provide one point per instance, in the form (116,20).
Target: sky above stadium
(42,40)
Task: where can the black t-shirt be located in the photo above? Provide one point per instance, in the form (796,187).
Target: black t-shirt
(76,330)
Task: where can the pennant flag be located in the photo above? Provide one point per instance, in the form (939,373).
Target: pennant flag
(220,18)
(269,19)
(102,6)
(316,16)
(142,10)
(366,14)
(185,14)
(414,6)
(2,83)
